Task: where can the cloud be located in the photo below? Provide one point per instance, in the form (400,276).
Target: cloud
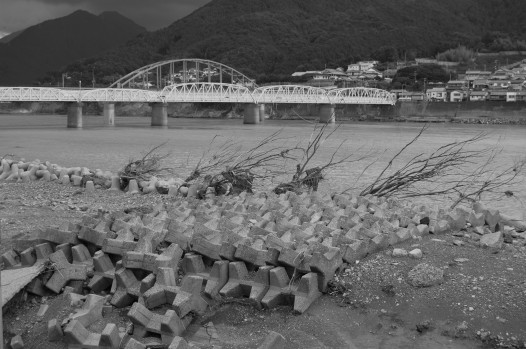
(152,14)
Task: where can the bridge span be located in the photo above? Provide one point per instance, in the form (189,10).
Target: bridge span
(199,81)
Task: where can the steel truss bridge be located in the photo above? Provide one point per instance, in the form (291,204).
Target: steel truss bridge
(199,81)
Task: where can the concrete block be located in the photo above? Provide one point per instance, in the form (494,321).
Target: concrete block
(134,344)
(278,281)
(77,336)
(43,251)
(118,246)
(17,342)
(64,272)
(58,236)
(28,257)
(163,291)
(10,259)
(54,331)
(256,256)
(178,343)
(325,265)
(168,325)
(355,251)
(189,299)
(104,272)
(91,310)
(127,288)
(239,284)
(493,219)
(94,236)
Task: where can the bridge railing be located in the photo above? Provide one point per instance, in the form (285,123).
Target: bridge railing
(290,94)
(207,92)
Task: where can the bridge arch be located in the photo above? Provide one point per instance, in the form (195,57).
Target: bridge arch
(290,94)
(361,95)
(174,71)
(207,92)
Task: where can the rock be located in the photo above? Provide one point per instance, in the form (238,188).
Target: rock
(463,326)
(458,243)
(399,252)
(493,240)
(423,326)
(425,275)
(416,253)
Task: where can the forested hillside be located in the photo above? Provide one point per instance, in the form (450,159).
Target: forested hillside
(52,44)
(278,37)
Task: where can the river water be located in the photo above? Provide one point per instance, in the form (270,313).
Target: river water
(45,137)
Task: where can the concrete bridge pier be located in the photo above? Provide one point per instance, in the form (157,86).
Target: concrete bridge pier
(327,114)
(75,115)
(261,113)
(251,114)
(160,114)
(109,114)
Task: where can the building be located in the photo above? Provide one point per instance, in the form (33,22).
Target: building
(361,66)
(329,74)
(437,94)
(475,96)
(411,96)
(456,96)
(497,96)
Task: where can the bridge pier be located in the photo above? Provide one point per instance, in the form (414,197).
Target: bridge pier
(261,113)
(327,114)
(109,114)
(75,115)
(159,114)
(251,115)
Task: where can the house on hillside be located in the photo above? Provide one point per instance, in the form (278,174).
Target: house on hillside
(475,96)
(361,66)
(411,96)
(456,96)
(475,75)
(480,85)
(329,74)
(437,94)
(497,96)
(501,74)
(498,84)
(420,61)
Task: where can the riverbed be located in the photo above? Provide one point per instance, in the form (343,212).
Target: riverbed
(45,137)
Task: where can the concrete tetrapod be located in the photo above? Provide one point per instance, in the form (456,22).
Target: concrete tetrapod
(281,290)
(168,325)
(128,288)
(64,272)
(189,299)
(77,336)
(239,285)
(104,273)
(214,280)
(164,290)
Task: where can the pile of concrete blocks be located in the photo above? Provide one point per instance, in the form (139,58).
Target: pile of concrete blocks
(270,249)
(24,171)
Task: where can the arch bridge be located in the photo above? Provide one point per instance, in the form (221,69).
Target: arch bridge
(195,81)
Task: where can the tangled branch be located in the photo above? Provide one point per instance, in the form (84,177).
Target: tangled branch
(457,169)
(150,165)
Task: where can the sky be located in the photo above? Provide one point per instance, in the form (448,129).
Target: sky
(151,14)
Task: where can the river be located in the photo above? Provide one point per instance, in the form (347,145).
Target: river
(45,137)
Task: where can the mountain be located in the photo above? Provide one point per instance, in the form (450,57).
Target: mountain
(272,37)
(52,44)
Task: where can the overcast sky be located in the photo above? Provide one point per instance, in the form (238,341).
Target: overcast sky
(151,14)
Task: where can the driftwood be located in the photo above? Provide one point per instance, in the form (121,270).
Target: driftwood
(459,170)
